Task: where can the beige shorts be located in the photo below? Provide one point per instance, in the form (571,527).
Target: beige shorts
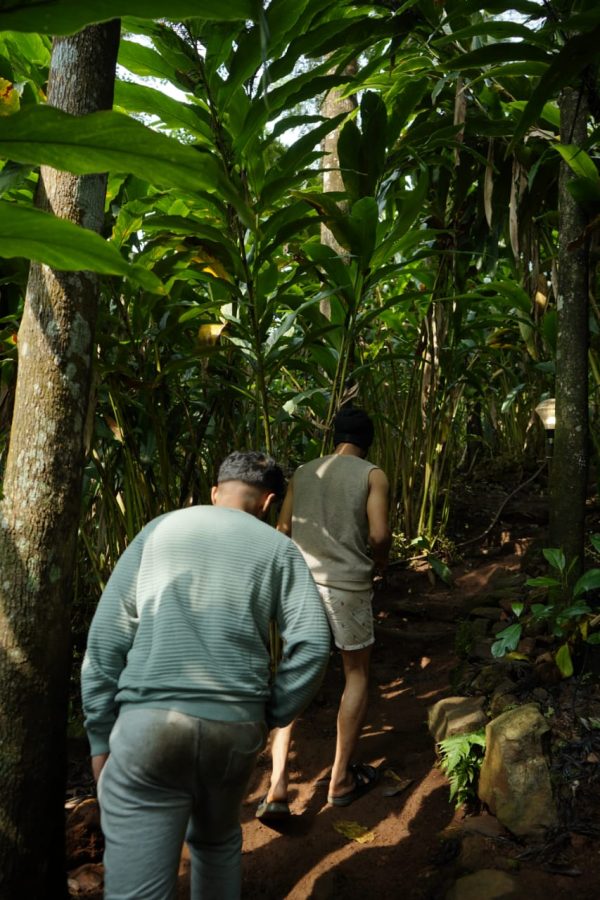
(350,615)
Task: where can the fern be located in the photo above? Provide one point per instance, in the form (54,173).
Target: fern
(461,759)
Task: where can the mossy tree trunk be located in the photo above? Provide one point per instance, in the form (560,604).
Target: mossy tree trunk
(40,506)
(570,459)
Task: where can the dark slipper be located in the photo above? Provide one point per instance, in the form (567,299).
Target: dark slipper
(365,777)
(273,811)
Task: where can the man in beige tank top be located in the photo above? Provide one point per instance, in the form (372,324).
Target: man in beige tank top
(336,510)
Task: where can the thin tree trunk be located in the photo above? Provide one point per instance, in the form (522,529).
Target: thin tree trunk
(40,507)
(333,105)
(570,461)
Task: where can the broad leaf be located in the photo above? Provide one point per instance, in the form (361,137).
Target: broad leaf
(145,61)
(363,223)
(555,557)
(563,661)
(507,640)
(589,581)
(108,141)
(543,581)
(68,16)
(173,113)
(578,160)
(497,53)
(40,236)
(566,66)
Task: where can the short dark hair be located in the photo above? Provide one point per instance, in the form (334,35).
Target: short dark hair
(255,468)
(353,426)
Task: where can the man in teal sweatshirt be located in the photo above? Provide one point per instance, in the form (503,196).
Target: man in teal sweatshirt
(177,690)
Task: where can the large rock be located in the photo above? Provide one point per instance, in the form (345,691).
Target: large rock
(487,884)
(456,715)
(514,780)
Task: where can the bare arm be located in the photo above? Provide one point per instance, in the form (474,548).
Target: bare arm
(98,763)
(378,508)
(284,522)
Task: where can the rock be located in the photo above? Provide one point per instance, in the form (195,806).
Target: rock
(475,852)
(541,695)
(481,649)
(487,884)
(455,715)
(501,702)
(480,627)
(490,677)
(493,613)
(514,780)
(477,849)
(487,825)
(527,646)
(546,670)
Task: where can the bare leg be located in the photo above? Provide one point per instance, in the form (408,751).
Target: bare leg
(351,715)
(280,748)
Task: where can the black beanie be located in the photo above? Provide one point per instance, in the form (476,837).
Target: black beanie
(352,426)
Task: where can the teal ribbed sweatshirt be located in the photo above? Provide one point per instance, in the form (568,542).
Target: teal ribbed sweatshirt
(183,624)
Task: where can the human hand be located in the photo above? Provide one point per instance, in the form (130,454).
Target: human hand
(379,581)
(98,763)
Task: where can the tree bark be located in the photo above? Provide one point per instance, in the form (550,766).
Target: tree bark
(570,460)
(333,105)
(40,508)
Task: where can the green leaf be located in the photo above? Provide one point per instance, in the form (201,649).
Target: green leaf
(589,581)
(540,611)
(595,541)
(140,98)
(145,61)
(577,53)
(12,175)
(573,612)
(556,558)
(492,54)
(409,205)
(543,581)
(40,236)
(507,639)
(441,569)
(586,191)
(373,119)
(578,160)
(59,17)
(296,156)
(108,141)
(563,661)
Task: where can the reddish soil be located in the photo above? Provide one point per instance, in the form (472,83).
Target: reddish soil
(415,845)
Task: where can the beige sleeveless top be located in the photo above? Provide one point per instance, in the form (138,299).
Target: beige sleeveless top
(329,520)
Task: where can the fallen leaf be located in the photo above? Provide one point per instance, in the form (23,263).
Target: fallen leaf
(354,831)
(400,783)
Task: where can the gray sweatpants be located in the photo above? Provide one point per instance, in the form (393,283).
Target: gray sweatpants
(169,778)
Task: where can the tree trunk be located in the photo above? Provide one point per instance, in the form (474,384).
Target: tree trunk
(570,461)
(333,105)
(40,507)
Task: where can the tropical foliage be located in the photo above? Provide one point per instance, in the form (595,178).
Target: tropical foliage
(226,321)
